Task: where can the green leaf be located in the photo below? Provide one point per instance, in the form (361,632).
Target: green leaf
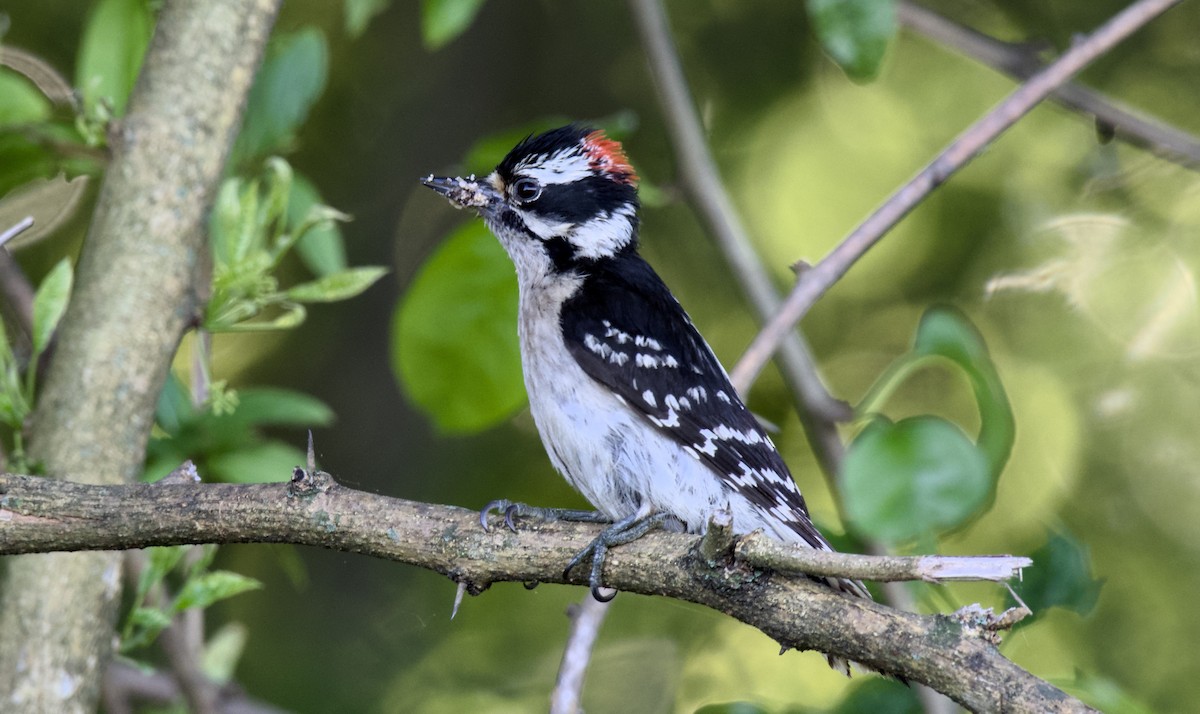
(223,651)
(142,626)
(732,708)
(321,246)
(272,216)
(265,406)
(946,332)
(913,478)
(233,225)
(20,100)
(110,54)
(5,348)
(260,463)
(879,696)
(454,336)
(207,588)
(1104,694)
(290,315)
(855,33)
(443,20)
(174,407)
(292,77)
(159,561)
(337,286)
(360,12)
(1061,576)
(49,304)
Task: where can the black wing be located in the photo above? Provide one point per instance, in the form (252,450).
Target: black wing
(628,332)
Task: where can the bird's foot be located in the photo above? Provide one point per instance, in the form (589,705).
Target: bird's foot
(512,511)
(619,533)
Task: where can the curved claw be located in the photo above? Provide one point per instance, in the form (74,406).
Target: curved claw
(510,514)
(496,505)
(578,559)
(600,596)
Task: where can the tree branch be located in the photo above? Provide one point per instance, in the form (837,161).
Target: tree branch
(811,284)
(1021,61)
(15,288)
(133,296)
(698,175)
(759,550)
(586,619)
(38,515)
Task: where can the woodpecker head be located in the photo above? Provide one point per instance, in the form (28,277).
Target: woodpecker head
(558,201)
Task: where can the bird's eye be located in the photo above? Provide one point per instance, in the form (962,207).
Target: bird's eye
(526,190)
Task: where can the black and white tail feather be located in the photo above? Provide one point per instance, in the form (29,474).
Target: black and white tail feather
(633,407)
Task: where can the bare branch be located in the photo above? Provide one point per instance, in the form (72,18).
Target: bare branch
(760,550)
(15,230)
(698,175)
(38,515)
(15,287)
(586,619)
(126,686)
(1021,61)
(813,283)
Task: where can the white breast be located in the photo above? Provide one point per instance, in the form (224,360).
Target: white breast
(611,454)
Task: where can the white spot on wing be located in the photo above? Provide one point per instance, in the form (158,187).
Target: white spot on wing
(596,346)
(647,361)
(670,422)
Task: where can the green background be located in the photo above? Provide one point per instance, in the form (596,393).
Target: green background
(1074,258)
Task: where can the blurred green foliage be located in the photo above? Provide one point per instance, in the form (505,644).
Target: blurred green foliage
(918,477)
(855,33)
(1063,577)
(292,76)
(1073,262)
(453,338)
(110,54)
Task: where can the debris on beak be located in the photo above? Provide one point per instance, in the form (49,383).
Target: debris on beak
(467,192)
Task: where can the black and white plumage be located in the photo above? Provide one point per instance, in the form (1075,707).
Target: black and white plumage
(632,405)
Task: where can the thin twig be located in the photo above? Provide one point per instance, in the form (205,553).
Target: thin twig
(586,619)
(15,287)
(762,551)
(12,232)
(813,283)
(1021,61)
(126,686)
(700,179)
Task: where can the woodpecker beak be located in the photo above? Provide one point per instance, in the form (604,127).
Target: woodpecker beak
(468,192)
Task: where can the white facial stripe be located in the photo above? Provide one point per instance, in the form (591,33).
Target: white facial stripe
(546,229)
(562,167)
(602,236)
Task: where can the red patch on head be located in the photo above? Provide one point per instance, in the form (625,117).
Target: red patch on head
(608,157)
